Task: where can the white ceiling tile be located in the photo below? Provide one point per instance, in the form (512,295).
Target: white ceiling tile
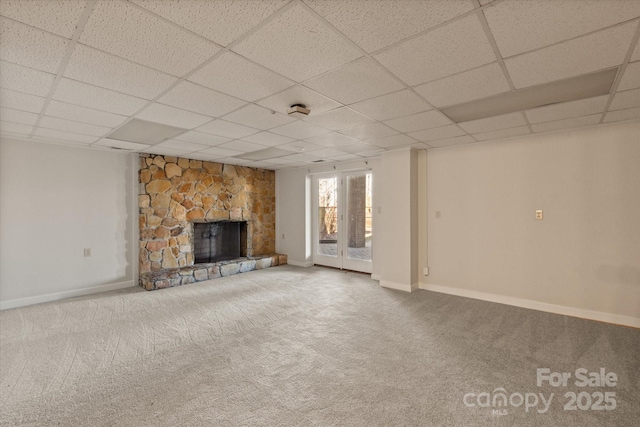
(393,141)
(118,144)
(258,117)
(456,47)
(221,20)
(220,152)
(192,97)
(102,69)
(467,86)
(73,127)
(489,124)
(358,148)
(267,138)
(239,77)
(339,119)
(520,26)
(21,101)
(300,130)
(144,38)
(83,114)
(300,157)
(420,121)
(616,116)
(228,129)
(23,79)
(328,152)
(504,133)
(171,116)
(58,17)
(631,77)
(593,52)
(332,139)
(317,103)
(64,136)
(243,146)
(202,138)
(466,139)
(182,145)
(357,81)
(15,128)
(392,105)
(277,46)
(30,47)
(567,110)
(626,99)
(437,133)
(279,161)
(17,116)
(165,151)
(374,25)
(567,123)
(372,153)
(202,156)
(301,146)
(374,130)
(79,93)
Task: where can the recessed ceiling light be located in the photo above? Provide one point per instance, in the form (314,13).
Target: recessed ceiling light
(267,153)
(572,89)
(144,132)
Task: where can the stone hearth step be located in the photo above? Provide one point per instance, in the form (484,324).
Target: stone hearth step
(170,277)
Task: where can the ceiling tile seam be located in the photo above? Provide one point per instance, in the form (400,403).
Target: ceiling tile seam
(496,51)
(436,27)
(82,22)
(391,74)
(619,24)
(73,132)
(367,55)
(174,24)
(129,61)
(36,28)
(204,64)
(621,71)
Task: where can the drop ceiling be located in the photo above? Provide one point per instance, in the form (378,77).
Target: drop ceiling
(218,76)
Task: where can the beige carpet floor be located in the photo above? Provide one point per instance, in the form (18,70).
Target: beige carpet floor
(289,346)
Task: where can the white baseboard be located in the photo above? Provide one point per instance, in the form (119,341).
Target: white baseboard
(398,286)
(299,263)
(536,305)
(376,277)
(21,302)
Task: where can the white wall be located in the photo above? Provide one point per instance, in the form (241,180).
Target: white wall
(398,243)
(54,202)
(585,254)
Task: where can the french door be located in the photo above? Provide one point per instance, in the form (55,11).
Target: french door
(342,220)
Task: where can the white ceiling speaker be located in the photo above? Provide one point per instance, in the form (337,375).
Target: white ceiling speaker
(298,110)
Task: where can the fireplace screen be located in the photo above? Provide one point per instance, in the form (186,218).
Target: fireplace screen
(219,241)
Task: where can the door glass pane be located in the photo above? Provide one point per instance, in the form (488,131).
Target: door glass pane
(359,230)
(328,216)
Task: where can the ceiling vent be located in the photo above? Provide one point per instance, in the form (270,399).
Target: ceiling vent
(298,110)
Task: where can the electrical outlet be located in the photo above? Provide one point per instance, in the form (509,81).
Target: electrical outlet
(87,252)
(539,214)
(425,271)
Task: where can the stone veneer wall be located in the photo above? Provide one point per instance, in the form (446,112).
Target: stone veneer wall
(175,192)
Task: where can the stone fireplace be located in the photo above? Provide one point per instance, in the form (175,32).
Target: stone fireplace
(177,195)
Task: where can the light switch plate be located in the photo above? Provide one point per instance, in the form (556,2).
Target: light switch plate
(539,214)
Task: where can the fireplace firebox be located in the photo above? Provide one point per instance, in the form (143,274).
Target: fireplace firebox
(219,241)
